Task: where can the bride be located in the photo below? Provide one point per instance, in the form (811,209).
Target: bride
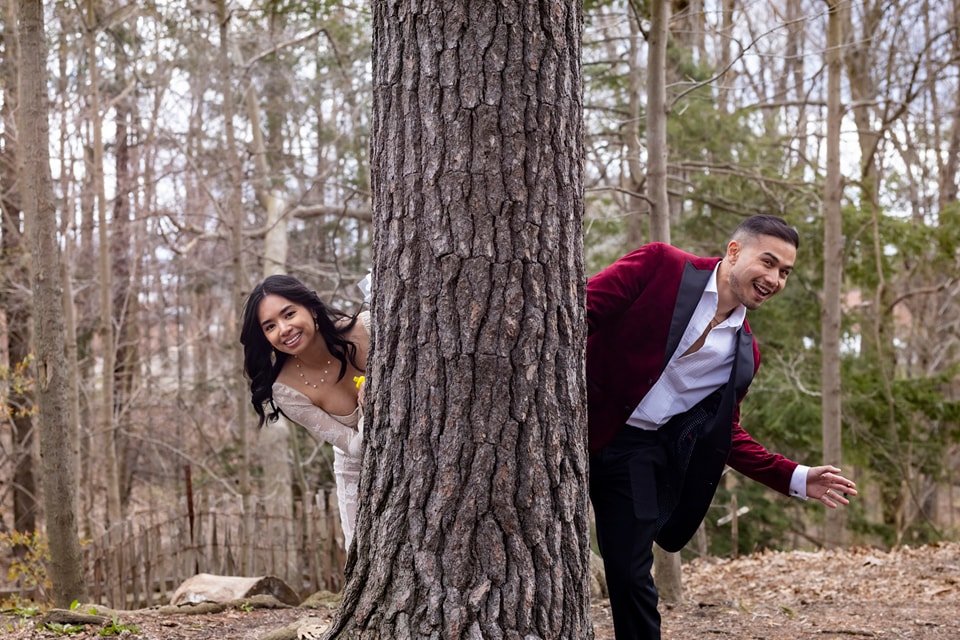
(302,358)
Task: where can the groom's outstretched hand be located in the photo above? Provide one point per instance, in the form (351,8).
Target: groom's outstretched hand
(829,487)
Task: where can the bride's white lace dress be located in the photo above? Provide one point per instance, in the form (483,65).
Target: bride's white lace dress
(343,432)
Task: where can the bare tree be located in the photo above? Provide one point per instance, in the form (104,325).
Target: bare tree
(667,565)
(235,207)
(38,202)
(725,44)
(273,450)
(657,122)
(832,268)
(105,277)
(14,254)
(474,513)
(634,178)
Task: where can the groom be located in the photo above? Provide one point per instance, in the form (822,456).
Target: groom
(670,356)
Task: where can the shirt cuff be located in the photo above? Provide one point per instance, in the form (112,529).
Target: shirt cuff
(798,482)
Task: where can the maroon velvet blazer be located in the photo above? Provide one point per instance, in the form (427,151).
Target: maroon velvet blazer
(637,311)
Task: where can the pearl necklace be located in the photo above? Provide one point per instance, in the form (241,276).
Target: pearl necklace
(323,376)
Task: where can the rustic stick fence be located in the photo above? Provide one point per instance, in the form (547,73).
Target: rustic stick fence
(140,562)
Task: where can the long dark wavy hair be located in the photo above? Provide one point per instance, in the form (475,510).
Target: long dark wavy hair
(262,363)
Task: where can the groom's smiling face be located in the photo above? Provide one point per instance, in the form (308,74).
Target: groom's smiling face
(758,267)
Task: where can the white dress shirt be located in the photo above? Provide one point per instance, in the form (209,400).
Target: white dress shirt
(688,379)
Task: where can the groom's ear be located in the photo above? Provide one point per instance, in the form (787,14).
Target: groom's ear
(733,251)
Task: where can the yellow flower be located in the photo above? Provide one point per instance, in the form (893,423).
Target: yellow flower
(359,380)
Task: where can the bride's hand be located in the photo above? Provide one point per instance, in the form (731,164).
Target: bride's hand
(361,382)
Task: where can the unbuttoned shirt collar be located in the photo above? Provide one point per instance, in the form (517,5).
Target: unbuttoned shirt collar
(687,380)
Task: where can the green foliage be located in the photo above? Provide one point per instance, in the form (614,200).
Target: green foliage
(116,628)
(24,611)
(602,245)
(64,629)
(16,385)
(764,526)
(20,615)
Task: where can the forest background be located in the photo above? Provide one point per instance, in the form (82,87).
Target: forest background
(196,147)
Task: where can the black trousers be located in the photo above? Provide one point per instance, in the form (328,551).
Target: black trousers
(623,489)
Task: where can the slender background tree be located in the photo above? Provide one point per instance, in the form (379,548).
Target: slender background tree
(41,214)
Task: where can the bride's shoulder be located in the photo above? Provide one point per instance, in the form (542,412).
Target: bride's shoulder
(363,320)
(285,376)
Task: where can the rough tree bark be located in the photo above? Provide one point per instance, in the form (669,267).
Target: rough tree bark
(38,203)
(473,517)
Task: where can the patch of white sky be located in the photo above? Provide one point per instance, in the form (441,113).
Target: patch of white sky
(762,26)
(759,43)
(173,114)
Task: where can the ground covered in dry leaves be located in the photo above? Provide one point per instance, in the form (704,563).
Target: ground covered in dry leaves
(848,594)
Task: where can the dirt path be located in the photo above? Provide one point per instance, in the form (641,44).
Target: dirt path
(827,595)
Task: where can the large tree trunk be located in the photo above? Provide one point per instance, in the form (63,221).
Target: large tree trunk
(38,200)
(473,517)
(832,271)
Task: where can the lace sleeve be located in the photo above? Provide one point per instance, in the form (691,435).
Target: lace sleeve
(318,422)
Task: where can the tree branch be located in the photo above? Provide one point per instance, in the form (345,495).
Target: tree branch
(919,292)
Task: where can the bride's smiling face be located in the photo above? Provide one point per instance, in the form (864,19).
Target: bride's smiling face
(289,327)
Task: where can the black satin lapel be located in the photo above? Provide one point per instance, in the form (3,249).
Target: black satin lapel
(743,368)
(692,284)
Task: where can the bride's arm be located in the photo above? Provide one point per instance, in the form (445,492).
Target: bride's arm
(318,422)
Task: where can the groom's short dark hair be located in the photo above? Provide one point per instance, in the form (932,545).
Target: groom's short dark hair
(766,225)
